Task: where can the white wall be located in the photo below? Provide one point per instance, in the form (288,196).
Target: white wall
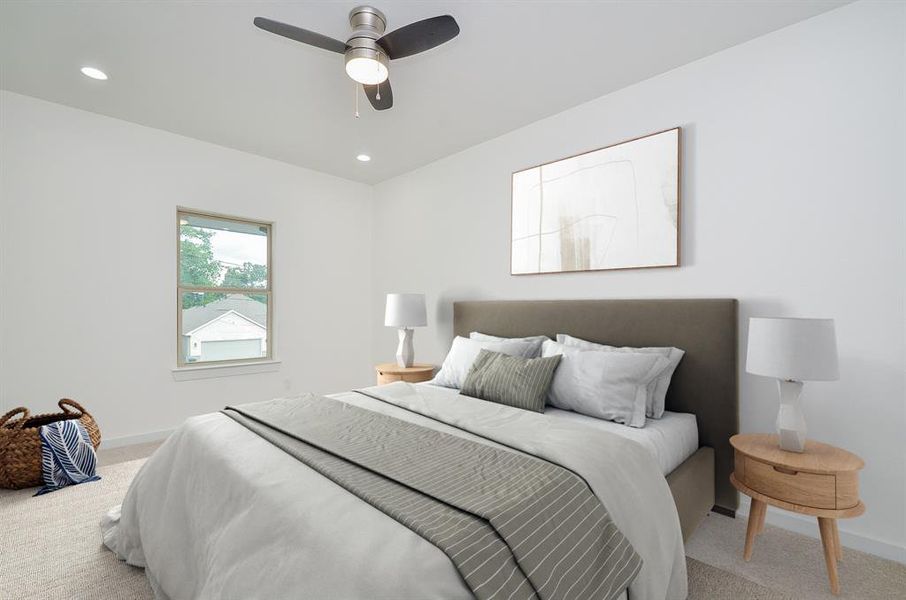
(794,197)
(88,257)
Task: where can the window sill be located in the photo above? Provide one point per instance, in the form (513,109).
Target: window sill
(190,373)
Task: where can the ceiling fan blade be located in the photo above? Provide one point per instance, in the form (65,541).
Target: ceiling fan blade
(301,35)
(386,100)
(419,36)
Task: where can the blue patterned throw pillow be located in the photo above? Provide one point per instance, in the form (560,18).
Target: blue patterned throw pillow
(67,456)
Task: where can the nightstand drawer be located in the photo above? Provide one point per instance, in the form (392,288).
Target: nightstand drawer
(798,487)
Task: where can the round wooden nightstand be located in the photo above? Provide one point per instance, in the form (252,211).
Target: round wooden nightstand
(822,482)
(390,372)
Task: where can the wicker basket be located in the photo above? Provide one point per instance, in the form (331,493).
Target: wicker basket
(20,444)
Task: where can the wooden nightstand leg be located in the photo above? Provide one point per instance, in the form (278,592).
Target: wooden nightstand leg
(756,515)
(837,547)
(761,515)
(826,527)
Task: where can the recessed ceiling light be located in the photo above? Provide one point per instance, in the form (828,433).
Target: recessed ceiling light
(363,158)
(94,73)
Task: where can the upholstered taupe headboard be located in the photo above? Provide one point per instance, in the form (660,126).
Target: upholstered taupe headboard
(705,383)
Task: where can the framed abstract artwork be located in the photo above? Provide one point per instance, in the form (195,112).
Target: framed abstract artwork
(613,208)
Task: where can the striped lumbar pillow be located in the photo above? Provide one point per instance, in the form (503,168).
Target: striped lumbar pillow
(511,380)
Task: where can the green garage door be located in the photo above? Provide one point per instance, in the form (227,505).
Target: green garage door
(230,349)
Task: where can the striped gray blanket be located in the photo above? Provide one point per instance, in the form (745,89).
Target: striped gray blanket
(515,526)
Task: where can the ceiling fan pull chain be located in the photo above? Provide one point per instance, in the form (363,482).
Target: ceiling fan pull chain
(378,96)
(355,91)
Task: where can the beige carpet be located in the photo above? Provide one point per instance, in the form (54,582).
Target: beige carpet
(794,563)
(710,583)
(50,547)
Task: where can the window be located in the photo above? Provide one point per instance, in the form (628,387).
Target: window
(225,299)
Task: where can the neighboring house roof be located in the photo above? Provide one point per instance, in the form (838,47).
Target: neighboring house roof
(213,322)
(195,317)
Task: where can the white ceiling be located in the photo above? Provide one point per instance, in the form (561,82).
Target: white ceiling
(203,70)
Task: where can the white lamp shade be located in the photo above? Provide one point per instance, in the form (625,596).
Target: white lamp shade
(792,349)
(405,310)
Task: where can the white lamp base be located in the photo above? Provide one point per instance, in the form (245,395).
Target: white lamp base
(404,352)
(790,420)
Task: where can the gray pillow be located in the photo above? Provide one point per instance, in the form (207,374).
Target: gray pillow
(534,339)
(511,380)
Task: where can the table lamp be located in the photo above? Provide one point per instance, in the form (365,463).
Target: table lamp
(405,311)
(793,351)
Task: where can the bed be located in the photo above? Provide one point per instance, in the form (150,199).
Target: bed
(705,384)
(221,512)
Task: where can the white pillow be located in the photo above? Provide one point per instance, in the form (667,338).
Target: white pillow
(605,385)
(535,339)
(464,351)
(657,389)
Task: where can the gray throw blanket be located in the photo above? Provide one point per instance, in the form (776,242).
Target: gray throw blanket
(515,526)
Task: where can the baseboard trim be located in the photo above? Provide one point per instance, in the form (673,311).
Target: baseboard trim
(131,440)
(809,526)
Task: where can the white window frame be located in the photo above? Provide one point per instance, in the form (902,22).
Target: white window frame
(182,289)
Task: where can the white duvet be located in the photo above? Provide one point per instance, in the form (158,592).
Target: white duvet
(218,512)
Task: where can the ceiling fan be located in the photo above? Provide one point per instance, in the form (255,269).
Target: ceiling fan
(368,50)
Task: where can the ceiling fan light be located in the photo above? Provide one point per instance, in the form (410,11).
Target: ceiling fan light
(367,66)
(366,71)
